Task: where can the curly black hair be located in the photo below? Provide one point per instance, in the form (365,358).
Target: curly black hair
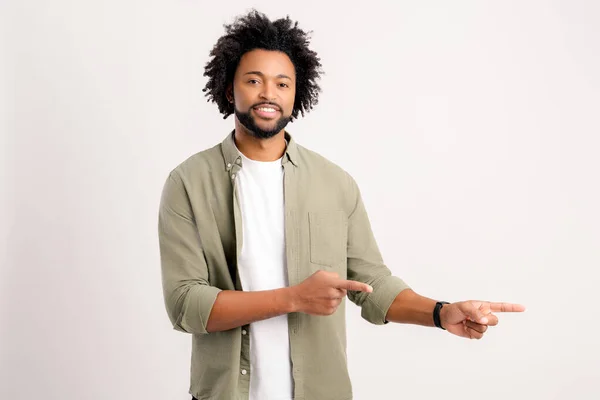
(255,31)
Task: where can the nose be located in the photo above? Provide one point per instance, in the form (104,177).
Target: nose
(268,92)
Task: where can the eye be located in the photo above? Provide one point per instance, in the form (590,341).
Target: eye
(285,85)
(253,81)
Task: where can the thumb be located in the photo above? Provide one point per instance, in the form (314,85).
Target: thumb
(474,313)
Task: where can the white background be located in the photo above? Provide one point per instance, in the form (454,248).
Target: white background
(471,127)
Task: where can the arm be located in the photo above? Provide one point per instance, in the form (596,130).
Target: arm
(187,294)
(410,308)
(468,319)
(365,264)
(319,294)
(393,300)
(236,308)
(193,305)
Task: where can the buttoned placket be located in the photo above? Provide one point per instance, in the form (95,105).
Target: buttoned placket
(233,169)
(292,257)
(292,235)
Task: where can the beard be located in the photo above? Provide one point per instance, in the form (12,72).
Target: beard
(249,123)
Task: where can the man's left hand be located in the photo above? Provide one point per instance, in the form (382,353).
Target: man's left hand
(470,319)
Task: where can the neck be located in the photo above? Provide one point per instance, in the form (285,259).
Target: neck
(271,149)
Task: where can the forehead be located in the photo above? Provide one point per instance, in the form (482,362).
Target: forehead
(268,62)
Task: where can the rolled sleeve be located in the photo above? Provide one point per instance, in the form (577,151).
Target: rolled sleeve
(193,316)
(377,303)
(188,296)
(365,264)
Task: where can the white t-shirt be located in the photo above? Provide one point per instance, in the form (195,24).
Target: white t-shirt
(262,266)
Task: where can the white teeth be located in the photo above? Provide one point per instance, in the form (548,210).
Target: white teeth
(266,109)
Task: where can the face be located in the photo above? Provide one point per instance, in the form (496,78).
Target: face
(264,88)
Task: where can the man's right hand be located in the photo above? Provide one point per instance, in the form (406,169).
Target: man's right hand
(322,292)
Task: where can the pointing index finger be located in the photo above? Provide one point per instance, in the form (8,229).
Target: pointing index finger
(353,285)
(506,307)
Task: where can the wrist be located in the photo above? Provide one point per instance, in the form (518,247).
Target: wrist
(291,299)
(444,315)
(439,314)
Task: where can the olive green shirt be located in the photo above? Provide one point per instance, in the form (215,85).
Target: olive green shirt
(326,228)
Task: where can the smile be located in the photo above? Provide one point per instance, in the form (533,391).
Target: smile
(266,109)
(266,112)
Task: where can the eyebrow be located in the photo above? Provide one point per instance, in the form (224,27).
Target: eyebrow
(261,74)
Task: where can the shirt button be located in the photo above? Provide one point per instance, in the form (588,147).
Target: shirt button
(244,332)
(228,165)
(244,372)
(232,176)
(238,161)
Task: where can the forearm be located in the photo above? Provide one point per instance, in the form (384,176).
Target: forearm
(237,308)
(411,308)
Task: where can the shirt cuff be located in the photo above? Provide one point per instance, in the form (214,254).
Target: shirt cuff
(378,302)
(196,310)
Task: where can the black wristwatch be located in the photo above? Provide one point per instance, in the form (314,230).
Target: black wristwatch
(436,313)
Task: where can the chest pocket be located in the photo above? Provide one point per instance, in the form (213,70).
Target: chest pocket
(328,237)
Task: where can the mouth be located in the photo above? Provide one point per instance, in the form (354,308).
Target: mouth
(266,111)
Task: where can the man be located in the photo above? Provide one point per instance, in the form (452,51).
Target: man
(262,239)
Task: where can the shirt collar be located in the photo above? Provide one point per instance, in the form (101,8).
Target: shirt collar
(232,156)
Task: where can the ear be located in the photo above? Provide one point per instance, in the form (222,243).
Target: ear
(229,93)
